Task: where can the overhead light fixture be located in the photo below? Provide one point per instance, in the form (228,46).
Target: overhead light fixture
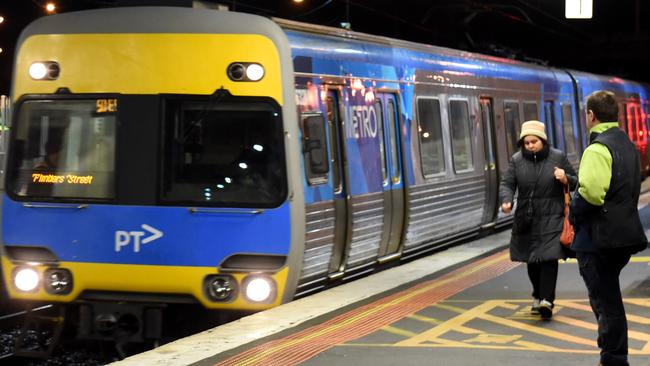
(50,7)
(578,9)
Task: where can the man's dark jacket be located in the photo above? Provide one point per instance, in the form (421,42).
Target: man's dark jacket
(615,224)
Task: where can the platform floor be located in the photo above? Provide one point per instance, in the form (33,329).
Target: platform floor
(470,305)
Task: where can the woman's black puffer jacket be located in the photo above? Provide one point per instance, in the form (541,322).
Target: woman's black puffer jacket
(537,239)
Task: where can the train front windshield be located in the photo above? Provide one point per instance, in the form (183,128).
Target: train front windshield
(224,152)
(214,151)
(63,149)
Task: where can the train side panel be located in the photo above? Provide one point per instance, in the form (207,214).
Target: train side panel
(346,227)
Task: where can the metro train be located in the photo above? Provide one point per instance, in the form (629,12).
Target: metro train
(162,156)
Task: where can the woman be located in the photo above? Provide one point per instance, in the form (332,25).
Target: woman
(538,172)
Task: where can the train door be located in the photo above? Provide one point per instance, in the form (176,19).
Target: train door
(512,122)
(637,131)
(634,128)
(569,134)
(339,182)
(393,182)
(622,117)
(5,104)
(491,172)
(507,137)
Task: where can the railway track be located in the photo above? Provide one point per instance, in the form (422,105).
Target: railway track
(31,337)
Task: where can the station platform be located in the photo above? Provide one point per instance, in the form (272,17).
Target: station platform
(464,306)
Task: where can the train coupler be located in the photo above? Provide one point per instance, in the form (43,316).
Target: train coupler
(120,322)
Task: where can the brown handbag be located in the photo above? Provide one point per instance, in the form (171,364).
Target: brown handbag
(566,238)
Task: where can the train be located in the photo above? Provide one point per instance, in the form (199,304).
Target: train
(161,156)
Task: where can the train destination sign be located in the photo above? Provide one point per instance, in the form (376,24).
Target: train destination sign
(61,179)
(106,105)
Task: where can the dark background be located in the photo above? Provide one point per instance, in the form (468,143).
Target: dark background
(615,42)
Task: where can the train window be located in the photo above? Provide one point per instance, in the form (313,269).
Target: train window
(230,152)
(639,123)
(645,114)
(631,121)
(635,123)
(530,111)
(334,123)
(460,135)
(567,123)
(64,149)
(640,132)
(430,135)
(379,112)
(512,120)
(392,131)
(549,116)
(315,148)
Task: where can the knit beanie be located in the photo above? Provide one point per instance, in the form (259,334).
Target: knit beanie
(535,128)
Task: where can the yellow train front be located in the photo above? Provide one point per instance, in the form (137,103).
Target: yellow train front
(150,164)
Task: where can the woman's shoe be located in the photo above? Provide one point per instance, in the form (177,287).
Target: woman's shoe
(535,308)
(546,309)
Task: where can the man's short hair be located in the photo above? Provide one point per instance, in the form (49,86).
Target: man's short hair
(603,104)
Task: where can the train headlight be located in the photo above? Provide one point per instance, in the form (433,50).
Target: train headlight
(254,72)
(26,279)
(45,70)
(259,289)
(245,71)
(57,281)
(220,288)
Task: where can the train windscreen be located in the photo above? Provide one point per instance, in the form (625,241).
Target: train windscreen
(64,149)
(223,153)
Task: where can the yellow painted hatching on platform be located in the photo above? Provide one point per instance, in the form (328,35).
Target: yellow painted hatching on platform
(438,336)
(632,260)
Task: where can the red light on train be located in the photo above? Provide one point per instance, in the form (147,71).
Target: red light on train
(640,133)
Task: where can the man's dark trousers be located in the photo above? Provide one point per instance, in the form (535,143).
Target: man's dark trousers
(601,275)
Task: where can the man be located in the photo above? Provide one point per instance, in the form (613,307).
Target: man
(607,223)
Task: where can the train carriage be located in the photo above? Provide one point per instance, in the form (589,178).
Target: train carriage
(634,108)
(163,156)
(175,175)
(417,149)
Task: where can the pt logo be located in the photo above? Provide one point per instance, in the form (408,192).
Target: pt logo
(124,238)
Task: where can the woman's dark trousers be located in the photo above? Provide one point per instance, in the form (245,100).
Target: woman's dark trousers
(543,276)
(600,273)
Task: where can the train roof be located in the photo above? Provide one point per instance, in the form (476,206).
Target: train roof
(393,42)
(590,82)
(153,19)
(340,45)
